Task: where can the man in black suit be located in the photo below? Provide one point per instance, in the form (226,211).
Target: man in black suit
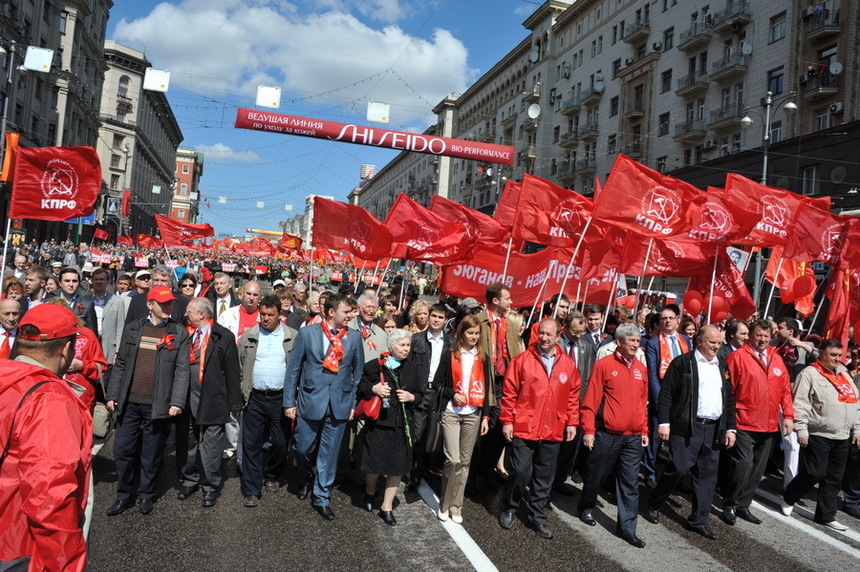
(213,395)
(162,276)
(34,288)
(696,414)
(222,294)
(572,456)
(91,305)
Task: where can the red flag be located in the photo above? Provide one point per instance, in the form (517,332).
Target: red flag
(350,228)
(100,234)
(148,241)
(506,208)
(55,183)
(419,234)
(126,202)
(548,214)
(290,241)
(839,294)
(263,245)
(789,272)
(667,257)
(818,235)
(174,232)
(729,285)
(719,221)
(648,202)
(124,241)
(775,209)
(479,226)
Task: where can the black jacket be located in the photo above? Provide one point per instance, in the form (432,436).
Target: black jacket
(221,391)
(417,364)
(679,397)
(393,415)
(138,309)
(444,382)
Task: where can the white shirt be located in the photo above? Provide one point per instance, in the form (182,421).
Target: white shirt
(710,404)
(436,345)
(467,360)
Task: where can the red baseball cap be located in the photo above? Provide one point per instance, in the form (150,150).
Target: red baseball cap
(52,321)
(160,294)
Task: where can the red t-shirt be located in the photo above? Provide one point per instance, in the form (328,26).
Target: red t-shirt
(247,321)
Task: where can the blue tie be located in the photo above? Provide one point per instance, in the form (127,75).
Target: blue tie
(675,349)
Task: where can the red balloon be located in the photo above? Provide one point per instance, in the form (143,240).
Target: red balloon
(787,292)
(719,316)
(803,286)
(692,302)
(716,304)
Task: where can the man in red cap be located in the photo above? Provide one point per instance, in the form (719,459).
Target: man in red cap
(148,385)
(46,441)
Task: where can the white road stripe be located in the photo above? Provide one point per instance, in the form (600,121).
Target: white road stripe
(811,530)
(458,534)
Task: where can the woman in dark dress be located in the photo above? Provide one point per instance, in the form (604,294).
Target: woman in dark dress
(387,442)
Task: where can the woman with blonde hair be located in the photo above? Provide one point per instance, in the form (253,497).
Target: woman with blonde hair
(463,377)
(419,317)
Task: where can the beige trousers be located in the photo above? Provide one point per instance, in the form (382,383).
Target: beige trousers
(459,435)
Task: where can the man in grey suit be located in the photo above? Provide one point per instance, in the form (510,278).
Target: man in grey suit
(322,376)
(572,455)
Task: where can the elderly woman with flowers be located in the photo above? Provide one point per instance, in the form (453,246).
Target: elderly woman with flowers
(387,441)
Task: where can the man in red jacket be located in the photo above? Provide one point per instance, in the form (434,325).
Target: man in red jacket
(540,408)
(761,387)
(44,480)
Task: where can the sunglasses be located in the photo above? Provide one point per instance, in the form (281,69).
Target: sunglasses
(143,277)
(188,285)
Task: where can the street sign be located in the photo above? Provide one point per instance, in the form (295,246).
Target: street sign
(113,206)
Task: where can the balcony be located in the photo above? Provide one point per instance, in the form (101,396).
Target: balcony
(690,131)
(633,149)
(532,95)
(530,125)
(589,132)
(729,117)
(531,152)
(591,95)
(634,110)
(570,105)
(814,86)
(488,137)
(509,121)
(698,36)
(692,85)
(730,67)
(569,140)
(822,26)
(633,67)
(585,167)
(636,33)
(566,172)
(736,14)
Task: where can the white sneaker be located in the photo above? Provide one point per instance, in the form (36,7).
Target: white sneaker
(443,515)
(836,525)
(785,507)
(457,518)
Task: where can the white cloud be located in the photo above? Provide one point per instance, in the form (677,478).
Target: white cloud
(225,48)
(220,153)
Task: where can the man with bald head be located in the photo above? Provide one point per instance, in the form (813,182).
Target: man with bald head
(696,415)
(10,312)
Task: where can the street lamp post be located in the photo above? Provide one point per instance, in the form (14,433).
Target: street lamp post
(770,107)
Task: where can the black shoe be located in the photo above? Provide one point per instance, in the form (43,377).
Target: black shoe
(542,530)
(387,517)
(252,501)
(507,518)
(729,516)
(303,492)
(651,482)
(704,530)
(576,478)
(745,514)
(632,539)
(586,517)
(652,515)
(210,498)
(120,507)
(325,511)
(563,489)
(851,511)
(145,506)
(186,491)
(272,486)
(368,502)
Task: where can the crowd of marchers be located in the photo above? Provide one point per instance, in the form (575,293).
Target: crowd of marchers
(376,380)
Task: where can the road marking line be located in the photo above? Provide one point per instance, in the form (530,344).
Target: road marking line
(800,525)
(458,534)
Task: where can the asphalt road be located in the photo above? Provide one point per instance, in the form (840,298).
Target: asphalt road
(285,533)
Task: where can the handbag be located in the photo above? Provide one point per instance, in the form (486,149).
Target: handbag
(368,409)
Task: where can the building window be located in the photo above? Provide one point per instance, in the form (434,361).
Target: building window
(186,169)
(117,141)
(553,167)
(181,213)
(776,132)
(593,48)
(64,19)
(599,44)
(612,144)
(556,133)
(662,164)
(616,67)
(614,34)
(183,188)
(669,39)
(777,27)
(666,81)
(822,118)
(613,106)
(114,181)
(776,80)
(688,157)
(810,180)
(122,86)
(114,160)
(663,127)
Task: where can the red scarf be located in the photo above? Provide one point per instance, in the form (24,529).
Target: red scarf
(666,356)
(335,349)
(841,382)
(475,388)
(203,343)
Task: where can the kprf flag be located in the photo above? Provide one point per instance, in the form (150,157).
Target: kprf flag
(148,241)
(647,202)
(174,232)
(506,208)
(839,293)
(124,241)
(818,235)
(100,234)
(789,273)
(350,228)
(290,241)
(719,221)
(55,183)
(418,234)
(479,226)
(548,214)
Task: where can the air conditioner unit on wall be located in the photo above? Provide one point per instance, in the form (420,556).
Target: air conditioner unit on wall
(657,46)
(836,107)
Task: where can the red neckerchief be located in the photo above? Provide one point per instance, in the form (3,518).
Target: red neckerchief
(335,349)
(203,344)
(841,382)
(666,351)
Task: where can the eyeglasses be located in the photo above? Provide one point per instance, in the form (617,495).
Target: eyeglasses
(188,285)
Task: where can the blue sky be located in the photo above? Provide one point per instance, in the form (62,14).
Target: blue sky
(329,57)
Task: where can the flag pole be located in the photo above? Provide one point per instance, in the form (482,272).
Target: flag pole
(713,279)
(403,285)
(585,296)
(382,278)
(508,256)
(818,309)
(578,289)
(539,295)
(358,276)
(5,242)
(572,258)
(644,270)
(613,291)
(311,271)
(773,285)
